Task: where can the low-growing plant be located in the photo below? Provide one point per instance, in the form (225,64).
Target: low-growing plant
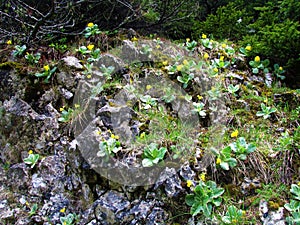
(33,58)
(190,46)
(233,216)
(278,71)
(68,219)
(266,111)
(258,65)
(91,30)
(33,209)
(148,101)
(19,50)
(109,147)
(241,148)
(199,108)
(107,71)
(206,195)
(294,206)
(152,155)
(32,159)
(233,89)
(224,158)
(47,73)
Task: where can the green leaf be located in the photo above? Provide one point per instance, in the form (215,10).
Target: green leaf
(295,189)
(224,165)
(147,162)
(190,199)
(255,70)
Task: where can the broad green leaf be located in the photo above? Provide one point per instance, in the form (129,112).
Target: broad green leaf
(147,162)
(190,199)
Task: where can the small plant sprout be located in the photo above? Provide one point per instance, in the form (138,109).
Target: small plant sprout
(94,55)
(33,58)
(107,71)
(233,88)
(257,65)
(206,195)
(199,108)
(83,50)
(233,216)
(91,30)
(47,73)
(294,205)
(152,155)
(19,50)
(266,111)
(32,159)
(148,101)
(241,148)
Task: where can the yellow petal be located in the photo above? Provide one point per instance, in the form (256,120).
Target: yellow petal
(9,42)
(206,56)
(234,134)
(90,25)
(204,36)
(257,59)
(189,183)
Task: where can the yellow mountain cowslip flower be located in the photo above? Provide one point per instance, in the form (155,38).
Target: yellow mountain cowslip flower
(188,40)
(189,183)
(148,87)
(165,63)
(76,106)
(179,67)
(185,62)
(204,36)
(90,25)
(218,161)
(203,177)
(234,134)
(221,58)
(30,152)
(280,68)
(114,136)
(223,45)
(206,56)
(9,42)
(257,59)
(215,70)
(248,48)
(134,39)
(63,210)
(90,47)
(46,67)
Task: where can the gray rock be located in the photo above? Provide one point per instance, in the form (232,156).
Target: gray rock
(71,62)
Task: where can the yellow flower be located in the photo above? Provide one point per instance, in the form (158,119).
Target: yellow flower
(76,106)
(98,132)
(298,184)
(134,39)
(165,63)
(199,97)
(280,68)
(148,87)
(64,223)
(90,47)
(266,100)
(218,161)
(257,59)
(223,45)
(46,67)
(248,48)
(114,136)
(204,36)
(62,108)
(185,62)
(9,42)
(189,183)
(90,25)
(30,152)
(63,210)
(221,58)
(179,67)
(203,176)
(89,76)
(142,136)
(206,56)
(187,40)
(215,70)
(234,134)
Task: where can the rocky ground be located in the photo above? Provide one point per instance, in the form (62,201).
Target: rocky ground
(77,182)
